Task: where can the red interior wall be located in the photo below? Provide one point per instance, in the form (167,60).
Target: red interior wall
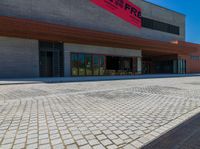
(193,66)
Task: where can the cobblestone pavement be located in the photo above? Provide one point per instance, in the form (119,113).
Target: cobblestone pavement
(110,114)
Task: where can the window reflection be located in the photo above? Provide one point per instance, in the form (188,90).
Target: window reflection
(74,60)
(96,65)
(81,59)
(88,64)
(99,65)
(102,65)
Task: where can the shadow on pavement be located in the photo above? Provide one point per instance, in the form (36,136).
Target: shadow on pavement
(184,136)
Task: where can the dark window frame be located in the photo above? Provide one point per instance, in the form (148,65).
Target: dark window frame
(160,26)
(57,50)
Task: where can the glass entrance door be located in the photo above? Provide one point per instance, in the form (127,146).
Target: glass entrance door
(46,64)
(51,59)
(181,66)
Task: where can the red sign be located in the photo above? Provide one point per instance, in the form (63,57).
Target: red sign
(123,9)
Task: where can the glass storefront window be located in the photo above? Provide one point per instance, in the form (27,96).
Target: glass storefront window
(174,66)
(95,65)
(125,66)
(134,62)
(88,64)
(102,65)
(81,59)
(74,61)
(181,66)
(139,65)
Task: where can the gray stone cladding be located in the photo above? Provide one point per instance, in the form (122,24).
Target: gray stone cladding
(18,58)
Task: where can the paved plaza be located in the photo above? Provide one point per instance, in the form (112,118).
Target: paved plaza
(106,114)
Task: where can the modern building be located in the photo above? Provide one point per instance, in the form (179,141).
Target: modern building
(62,38)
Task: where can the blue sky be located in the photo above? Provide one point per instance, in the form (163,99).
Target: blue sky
(191,8)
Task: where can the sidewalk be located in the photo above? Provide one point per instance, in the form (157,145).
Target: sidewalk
(101,114)
(90,78)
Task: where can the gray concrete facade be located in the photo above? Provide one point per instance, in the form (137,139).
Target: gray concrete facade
(18,58)
(85,14)
(75,48)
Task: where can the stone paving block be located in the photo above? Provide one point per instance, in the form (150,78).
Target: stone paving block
(113,146)
(78,137)
(126,112)
(137,144)
(96,132)
(32,136)
(82,142)
(124,136)
(44,136)
(72,146)
(93,142)
(107,132)
(54,136)
(99,147)
(6,146)
(89,137)
(56,141)
(18,146)
(106,142)
(101,137)
(144,140)
(69,141)
(8,141)
(118,141)
(139,132)
(45,146)
(58,146)
(85,147)
(129,146)
(20,141)
(67,136)
(32,146)
(44,141)
(117,132)
(112,136)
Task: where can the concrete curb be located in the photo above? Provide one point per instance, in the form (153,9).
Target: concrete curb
(84,79)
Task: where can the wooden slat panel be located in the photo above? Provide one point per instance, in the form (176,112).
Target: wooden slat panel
(24,28)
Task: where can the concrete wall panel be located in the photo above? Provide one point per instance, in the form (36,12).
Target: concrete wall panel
(18,58)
